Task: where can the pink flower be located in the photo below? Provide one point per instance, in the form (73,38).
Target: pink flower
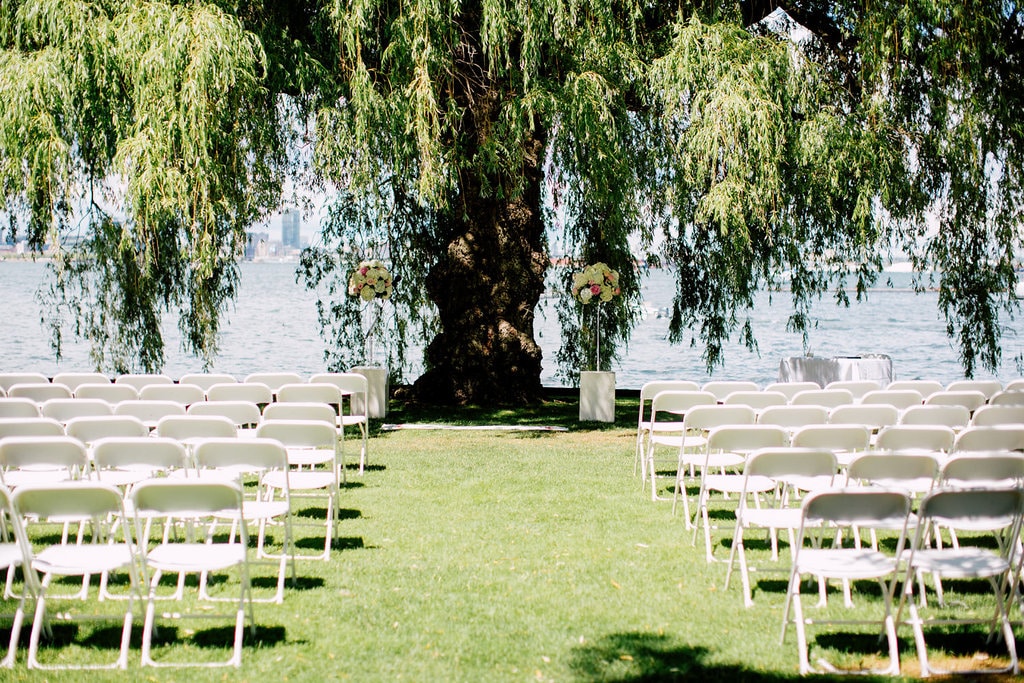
(595,289)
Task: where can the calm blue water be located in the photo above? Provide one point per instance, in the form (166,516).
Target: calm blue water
(273,326)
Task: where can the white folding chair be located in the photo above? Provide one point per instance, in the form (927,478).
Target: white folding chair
(791,389)
(988,387)
(998,438)
(793,417)
(106,553)
(997,513)
(150,412)
(728,448)
(253,392)
(1007,398)
(11,408)
(758,400)
(925,387)
(199,504)
(697,423)
(722,388)
(873,416)
(13,557)
(643,425)
(255,459)
(823,513)
(29,426)
(39,393)
(185,394)
(972,400)
(315,469)
(125,461)
(111,393)
(922,438)
(843,440)
(856,387)
(9,379)
(901,399)
(274,380)
(244,414)
(993,415)
(321,412)
(41,460)
(668,410)
(140,380)
(828,398)
(89,429)
(64,409)
(955,417)
(773,470)
(73,380)
(193,429)
(205,380)
(355,387)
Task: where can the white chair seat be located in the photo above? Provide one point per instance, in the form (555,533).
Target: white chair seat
(194,557)
(847,563)
(73,560)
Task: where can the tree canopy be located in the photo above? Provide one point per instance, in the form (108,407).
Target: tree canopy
(743,146)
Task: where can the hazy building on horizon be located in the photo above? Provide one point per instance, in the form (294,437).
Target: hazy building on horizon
(291,223)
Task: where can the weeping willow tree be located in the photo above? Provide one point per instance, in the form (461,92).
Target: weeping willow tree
(742,147)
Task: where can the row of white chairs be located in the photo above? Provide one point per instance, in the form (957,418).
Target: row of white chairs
(138,381)
(116,544)
(237,403)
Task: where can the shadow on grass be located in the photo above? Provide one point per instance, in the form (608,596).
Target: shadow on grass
(647,658)
(558,408)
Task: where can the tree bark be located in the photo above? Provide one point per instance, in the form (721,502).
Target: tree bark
(486,284)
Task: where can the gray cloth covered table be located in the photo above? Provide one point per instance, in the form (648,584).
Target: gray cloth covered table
(877,367)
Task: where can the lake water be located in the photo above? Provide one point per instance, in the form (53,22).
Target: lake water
(273,326)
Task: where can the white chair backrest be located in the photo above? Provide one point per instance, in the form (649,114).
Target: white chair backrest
(89,429)
(139,380)
(314,434)
(999,438)
(39,392)
(145,455)
(925,387)
(791,389)
(9,379)
(73,380)
(829,398)
(678,402)
(705,417)
(205,380)
(758,400)
(865,507)
(351,384)
(310,392)
(833,437)
(150,412)
(722,388)
(248,456)
(647,392)
(972,400)
(901,399)
(190,427)
(60,457)
(979,470)
(241,413)
(18,407)
(1007,398)
(64,409)
(988,387)
(30,426)
(788,462)
(956,417)
(186,497)
(972,509)
(254,392)
(993,415)
(185,394)
(746,438)
(901,471)
(874,416)
(111,393)
(274,380)
(793,416)
(321,412)
(856,387)
(928,438)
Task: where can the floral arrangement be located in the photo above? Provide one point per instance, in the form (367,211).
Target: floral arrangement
(596,282)
(370,280)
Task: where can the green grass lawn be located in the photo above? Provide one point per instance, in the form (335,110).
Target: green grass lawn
(510,556)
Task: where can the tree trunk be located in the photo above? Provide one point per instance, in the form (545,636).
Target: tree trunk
(486,285)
